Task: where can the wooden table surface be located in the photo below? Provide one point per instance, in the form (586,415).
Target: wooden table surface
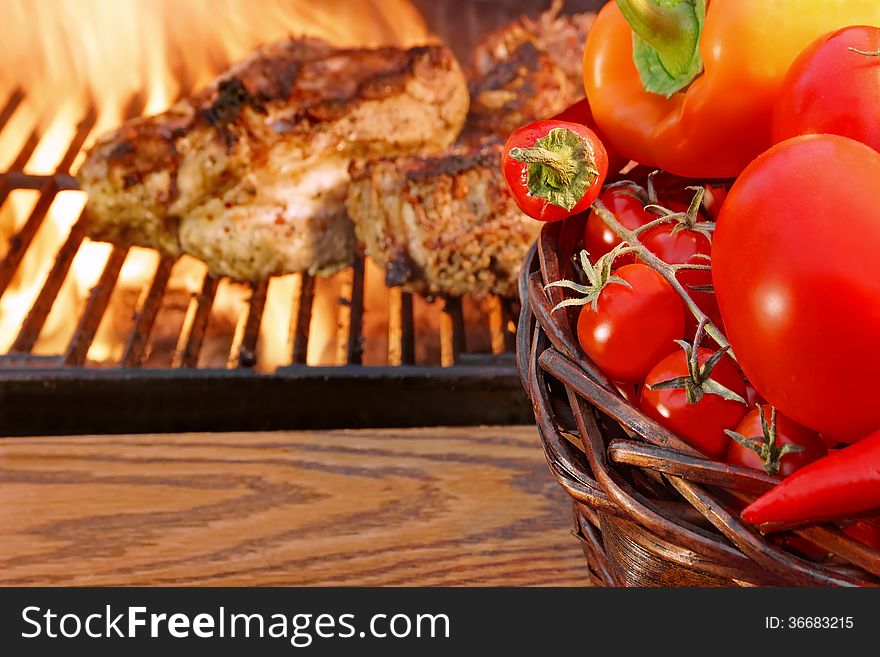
(451,506)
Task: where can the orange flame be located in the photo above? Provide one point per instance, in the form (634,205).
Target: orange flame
(122,57)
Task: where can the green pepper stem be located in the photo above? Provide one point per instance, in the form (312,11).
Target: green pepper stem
(672,31)
(562,164)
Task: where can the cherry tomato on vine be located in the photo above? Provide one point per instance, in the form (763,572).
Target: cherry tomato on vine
(554,169)
(693,408)
(599,239)
(679,245)
(831,88)
(634,323)
(797,276)
(773,443)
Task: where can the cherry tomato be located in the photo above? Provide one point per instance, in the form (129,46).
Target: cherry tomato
(633,326)
(700,424)
(797,277)
(752,396)
(554,169)
(714,199)
(686,247)
(598,238)
(788,432)
(832,89)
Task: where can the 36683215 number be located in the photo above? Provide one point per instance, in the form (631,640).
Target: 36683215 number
(820,622)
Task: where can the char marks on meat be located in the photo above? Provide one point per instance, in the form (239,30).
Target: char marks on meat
(250,174)
(448,224)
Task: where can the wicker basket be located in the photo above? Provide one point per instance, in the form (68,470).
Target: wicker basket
(648,509)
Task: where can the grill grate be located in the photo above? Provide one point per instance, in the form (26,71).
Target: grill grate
(446,362)
(486,329)
(453,330)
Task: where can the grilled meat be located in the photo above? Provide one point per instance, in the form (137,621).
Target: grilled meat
(443,225)
(250,175)
(526,70)
(448,224)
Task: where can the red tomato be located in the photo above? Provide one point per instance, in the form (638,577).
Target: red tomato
(831,89)
(797,277)
(554,169)
(632,327)
(787,433)
(700,424)
(685,246)
(598,238)
(752,396)
(580,112)
(714,199)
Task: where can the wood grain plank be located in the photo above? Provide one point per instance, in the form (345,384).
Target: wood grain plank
(451,506)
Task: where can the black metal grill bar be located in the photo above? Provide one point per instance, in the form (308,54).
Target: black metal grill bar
(27,149)
(13,179)
(39,312)
(48,190)
(452,335)
(355,347)
(96,305)
(401,328)
(139,338)
(192,334)
(301,317)
(244,351)
(82,132)
(11,105)
(19,244)
(407,330)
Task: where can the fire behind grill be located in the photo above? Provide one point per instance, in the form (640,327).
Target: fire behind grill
(469,379)
(65,393)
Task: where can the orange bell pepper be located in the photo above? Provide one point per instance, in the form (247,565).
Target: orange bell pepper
(729,66)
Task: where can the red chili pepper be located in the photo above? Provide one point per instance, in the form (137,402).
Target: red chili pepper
(554,169)
(844,484)
(581,113)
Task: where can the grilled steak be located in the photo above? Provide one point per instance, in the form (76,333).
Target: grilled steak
(250,175)
(447,224)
